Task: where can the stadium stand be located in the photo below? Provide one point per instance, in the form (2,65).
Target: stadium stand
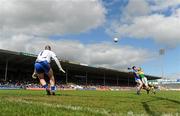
(17,67)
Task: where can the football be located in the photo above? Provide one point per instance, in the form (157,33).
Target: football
(115,40)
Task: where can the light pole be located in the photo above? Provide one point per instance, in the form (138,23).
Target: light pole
(161,53)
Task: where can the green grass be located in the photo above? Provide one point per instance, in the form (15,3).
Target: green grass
(88,103)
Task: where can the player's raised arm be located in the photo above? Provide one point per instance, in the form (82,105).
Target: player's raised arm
(57,62)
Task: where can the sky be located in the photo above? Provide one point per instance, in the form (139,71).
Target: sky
(83,30)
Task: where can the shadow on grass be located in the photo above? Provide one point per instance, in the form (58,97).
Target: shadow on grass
(58,94)
(157,98)
(71,95)
(147,108)
(171,100)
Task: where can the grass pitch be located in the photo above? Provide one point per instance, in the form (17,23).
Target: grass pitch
(88,103)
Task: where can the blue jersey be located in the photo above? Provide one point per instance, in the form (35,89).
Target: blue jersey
(136,76)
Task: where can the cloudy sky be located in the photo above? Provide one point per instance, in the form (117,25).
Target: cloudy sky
(83,31)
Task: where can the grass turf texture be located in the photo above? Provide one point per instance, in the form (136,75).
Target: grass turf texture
(88,103)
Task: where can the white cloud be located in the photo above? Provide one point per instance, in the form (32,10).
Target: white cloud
(163,4)
(99,54)
(46,17)
(161,28)
(25,24)
(108,55)
(136,8)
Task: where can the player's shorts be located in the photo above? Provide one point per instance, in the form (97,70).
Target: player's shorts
(144,80)
(42,67)
(138,80)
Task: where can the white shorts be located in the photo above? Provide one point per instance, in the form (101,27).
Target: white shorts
(144,80)
(138,81)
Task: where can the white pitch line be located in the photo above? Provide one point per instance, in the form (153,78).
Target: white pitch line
(68,107)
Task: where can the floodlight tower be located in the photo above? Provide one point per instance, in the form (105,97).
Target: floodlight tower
(161,53)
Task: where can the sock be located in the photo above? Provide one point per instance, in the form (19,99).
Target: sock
(53,88)
(45,86)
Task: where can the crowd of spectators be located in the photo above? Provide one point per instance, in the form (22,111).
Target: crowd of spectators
(17,84)
(59,85)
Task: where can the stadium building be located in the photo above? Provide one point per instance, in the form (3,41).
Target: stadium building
(18,66)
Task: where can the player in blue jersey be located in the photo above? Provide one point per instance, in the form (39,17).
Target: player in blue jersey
(42,67)
(137,79)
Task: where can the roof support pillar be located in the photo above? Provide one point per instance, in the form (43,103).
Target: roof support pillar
(128,81)
(6,70)
(117,80)
(86,77)
(66,76)
(104,79)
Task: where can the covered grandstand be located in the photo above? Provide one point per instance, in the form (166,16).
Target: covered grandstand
(18,66)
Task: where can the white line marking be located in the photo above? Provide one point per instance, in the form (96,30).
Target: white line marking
(68,107)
